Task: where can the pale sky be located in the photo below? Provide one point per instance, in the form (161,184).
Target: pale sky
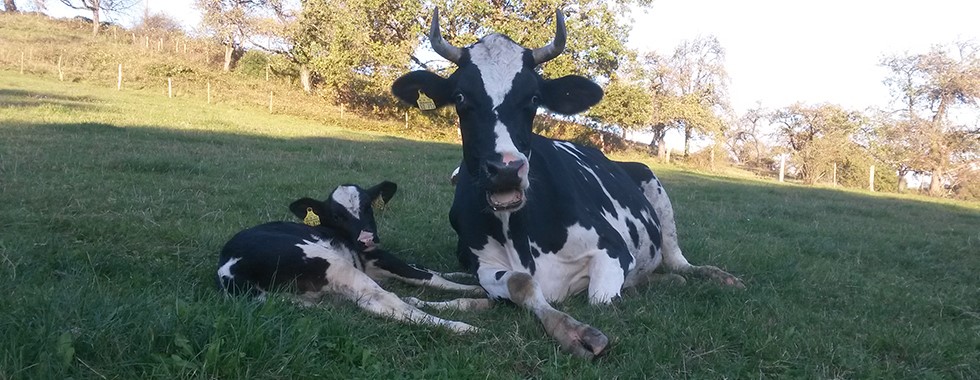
(777,51)
(782,51)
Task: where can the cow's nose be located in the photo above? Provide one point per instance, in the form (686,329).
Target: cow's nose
(504,175)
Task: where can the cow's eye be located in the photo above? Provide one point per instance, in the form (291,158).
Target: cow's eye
(535,101)
(459,98)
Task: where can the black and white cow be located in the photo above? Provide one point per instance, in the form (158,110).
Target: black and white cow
(333,252)
(538,219)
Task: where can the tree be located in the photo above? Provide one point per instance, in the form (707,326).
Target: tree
(596,36)
(99,7)
(744,137)
(921,135)
(230,21)
(691,88)
(158,25)
(817,137)
(9,6)
(626,104)
(344,42)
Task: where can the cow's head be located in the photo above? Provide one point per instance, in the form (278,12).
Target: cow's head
(497,92)
(349,209)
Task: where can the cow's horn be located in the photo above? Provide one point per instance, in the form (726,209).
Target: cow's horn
(445,49)
(552,50)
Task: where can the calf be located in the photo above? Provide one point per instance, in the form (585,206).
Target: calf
(333,252)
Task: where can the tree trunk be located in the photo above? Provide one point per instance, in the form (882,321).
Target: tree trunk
(9,6)
(305,78)
(229,53)
(936,185)
(96,24)
(687,140)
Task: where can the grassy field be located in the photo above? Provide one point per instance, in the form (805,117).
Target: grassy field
(113,206)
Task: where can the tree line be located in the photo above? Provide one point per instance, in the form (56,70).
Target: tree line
(351,50)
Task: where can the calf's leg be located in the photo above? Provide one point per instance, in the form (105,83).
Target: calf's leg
(367,294)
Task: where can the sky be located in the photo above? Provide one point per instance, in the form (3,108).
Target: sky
(778,52)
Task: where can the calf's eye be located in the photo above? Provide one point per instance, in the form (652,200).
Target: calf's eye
(459,98)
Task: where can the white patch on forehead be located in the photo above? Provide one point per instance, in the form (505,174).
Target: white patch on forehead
(349,198)
(499,60)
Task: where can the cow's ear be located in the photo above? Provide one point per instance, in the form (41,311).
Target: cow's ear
(385,190)
(304,207)
(433,86)
(570,94)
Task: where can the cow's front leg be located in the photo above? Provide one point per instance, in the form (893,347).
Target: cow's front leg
(367,294)
(575,337)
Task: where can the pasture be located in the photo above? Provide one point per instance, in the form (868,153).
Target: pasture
(113,206)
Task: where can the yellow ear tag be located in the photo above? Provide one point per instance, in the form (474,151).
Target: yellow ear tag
(378,204)
(311,219)
(425,103)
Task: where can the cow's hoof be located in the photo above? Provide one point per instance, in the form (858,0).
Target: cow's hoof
(592,343)
(575,337)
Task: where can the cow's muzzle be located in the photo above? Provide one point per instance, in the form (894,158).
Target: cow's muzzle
(506,185)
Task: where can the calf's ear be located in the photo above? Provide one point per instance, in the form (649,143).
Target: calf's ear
(303,206)
(433,86)
(385,190)
(570,94)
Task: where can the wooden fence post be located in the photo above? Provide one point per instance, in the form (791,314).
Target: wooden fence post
(835,174)
(406,119)
(170,87)
(342,106)
(61,72)
(119,79)
(782,167)
(209,92)
(22,62)
(871,179)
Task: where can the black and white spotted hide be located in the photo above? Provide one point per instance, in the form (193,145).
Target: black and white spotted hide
(335,251)
(538,219)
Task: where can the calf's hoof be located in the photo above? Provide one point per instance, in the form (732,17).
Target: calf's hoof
(720,276)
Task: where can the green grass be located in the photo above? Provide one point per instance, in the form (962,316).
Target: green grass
(113,206)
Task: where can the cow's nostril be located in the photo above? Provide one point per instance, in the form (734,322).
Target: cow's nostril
(494,168)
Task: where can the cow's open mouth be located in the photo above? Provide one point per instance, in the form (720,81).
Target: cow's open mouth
(508,200)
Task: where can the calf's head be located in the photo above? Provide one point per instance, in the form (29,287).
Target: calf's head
(497,92)
(349,209)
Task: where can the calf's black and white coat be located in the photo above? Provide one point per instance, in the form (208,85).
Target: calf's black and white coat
(334,252)
(539,219)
